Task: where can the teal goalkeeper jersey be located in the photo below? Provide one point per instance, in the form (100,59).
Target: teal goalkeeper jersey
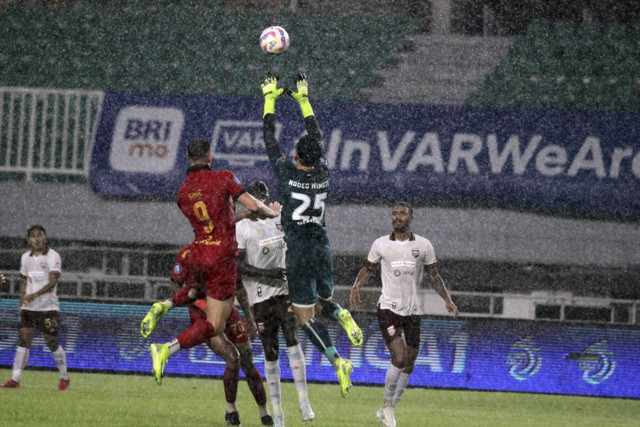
(303,194)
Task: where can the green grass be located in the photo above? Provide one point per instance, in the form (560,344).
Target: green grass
(130,400)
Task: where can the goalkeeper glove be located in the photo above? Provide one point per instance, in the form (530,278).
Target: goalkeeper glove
(302,95)
(271,92)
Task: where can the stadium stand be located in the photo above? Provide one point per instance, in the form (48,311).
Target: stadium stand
(169,48)
(570,66)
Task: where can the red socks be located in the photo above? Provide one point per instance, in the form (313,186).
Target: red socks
(230,380)
(254,381)
(199,332)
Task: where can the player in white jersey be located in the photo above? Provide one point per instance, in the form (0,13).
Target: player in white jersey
(40,269)
(404,257)
(262,264)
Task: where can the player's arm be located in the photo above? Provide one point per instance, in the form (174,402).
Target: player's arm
(53,281)
(302,96)
(247,269)
(243,300)
(256,206)
(271,93)
(363,277)
(440,288)
(22,286)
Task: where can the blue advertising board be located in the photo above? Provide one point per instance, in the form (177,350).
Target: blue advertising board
(556,161)
(474,354)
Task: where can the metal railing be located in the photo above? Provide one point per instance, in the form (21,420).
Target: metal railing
(47,131)
(99,287)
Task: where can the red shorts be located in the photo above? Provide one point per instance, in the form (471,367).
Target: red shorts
(214,267)
(234,329)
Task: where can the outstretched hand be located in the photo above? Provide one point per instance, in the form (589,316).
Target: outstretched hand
(270,88)
(302,88)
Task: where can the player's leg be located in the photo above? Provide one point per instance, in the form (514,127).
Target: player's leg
(412,336)
(266,317)
(181,298)
(297,360)
(237,332)
(50,330)
(26,330)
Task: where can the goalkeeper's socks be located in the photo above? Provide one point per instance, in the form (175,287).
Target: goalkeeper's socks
(256,385)
(199,332)
(320,338)
(230,380)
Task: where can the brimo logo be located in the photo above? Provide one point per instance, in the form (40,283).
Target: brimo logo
(240,142)
(146,139)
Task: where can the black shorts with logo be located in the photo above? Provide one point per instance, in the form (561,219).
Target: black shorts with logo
(46,321)
(393,325)
(273,313)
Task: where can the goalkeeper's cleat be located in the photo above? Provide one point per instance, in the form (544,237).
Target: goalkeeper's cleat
(150,321)
(305,411)
(386,416)
(160,356)
(345,368)
(354,332)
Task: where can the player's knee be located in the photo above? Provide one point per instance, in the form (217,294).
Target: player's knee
(271,354)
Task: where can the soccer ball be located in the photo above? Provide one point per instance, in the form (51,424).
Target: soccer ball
(274,40)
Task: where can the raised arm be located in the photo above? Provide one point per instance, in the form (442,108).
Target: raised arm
(271,93)
(256,206)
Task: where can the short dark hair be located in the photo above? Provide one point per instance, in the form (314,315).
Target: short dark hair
(34,228)
(198,148)
(406,205)
(259,190)
(309,150)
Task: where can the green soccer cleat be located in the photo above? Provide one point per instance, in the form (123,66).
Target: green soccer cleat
(160,356)
(150,321)
(353,331)
(345,368)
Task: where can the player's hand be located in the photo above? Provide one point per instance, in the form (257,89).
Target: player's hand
(252,329)
(276,207)
(451,308)
(354,297)
(302,88)
(270,88)
(277,273)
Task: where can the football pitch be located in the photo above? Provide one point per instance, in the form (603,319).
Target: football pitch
(134,400)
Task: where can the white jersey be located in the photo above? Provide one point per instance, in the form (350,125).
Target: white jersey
(36,269)
(263,242)
(402,266)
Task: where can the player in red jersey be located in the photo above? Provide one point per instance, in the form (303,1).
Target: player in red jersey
(207,198)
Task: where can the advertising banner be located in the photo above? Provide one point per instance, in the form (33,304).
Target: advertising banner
(555,161)
(474,354)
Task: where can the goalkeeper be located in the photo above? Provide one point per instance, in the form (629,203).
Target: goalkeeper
(303,190)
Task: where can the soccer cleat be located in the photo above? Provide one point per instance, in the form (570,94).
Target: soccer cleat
(160,356)
(386,416)
(305,411)
(63,384)
(345,368)
(232,418)
(150,321)
(354,332)
(278,420)
(266,420)
(11,384)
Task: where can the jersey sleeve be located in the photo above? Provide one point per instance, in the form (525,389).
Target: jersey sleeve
(430,254)
(23,264)
(241,236)
(374,253)
(270,142)
(55,262)
(234,185)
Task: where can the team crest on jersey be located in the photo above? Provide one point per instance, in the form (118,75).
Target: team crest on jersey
(397,272)
(265,250)
(282,159)
(279,227)
(415,252)
(177,269)
(391,330)
(43,265)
